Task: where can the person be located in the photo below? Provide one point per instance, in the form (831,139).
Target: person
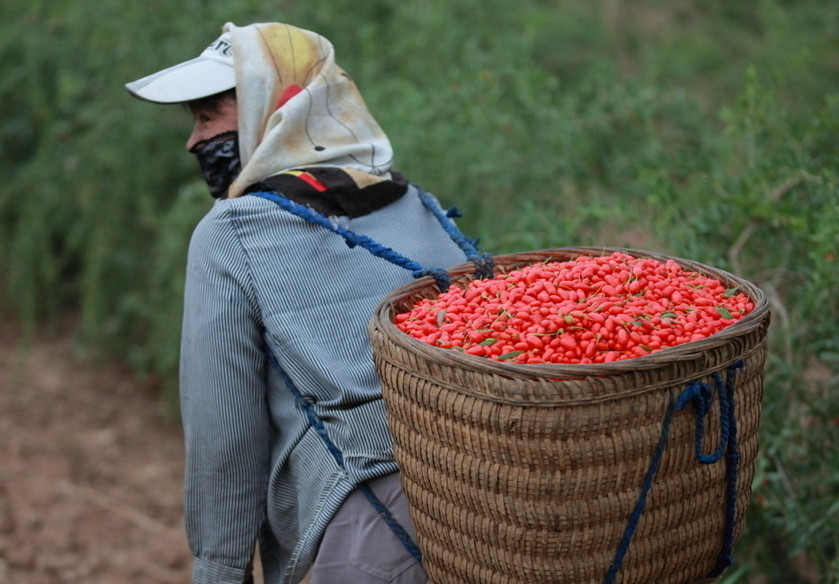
(286,437)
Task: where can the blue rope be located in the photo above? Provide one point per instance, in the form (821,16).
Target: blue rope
(641,503)
(317,423)
(395,526)
(725,558)
(353,239)
(699,395)
(483,262)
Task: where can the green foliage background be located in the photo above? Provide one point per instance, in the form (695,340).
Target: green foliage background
(707,130)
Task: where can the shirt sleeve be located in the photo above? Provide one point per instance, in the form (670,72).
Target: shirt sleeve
(223,405)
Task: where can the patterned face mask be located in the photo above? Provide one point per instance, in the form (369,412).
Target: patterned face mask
(219,160)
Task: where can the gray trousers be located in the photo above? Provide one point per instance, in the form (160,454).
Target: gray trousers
(358,547)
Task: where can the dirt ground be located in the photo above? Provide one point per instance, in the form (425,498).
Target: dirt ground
(90,472)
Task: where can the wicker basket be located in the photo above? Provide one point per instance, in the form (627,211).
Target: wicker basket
(573,474)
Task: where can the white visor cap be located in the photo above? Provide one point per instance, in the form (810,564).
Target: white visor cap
(210,73)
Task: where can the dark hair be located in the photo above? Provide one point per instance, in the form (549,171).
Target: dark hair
(211,102)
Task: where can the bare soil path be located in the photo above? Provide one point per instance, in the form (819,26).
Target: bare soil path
(90,471)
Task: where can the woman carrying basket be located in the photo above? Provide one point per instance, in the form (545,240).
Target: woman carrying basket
(286,438)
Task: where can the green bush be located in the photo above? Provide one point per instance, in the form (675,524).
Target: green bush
(706,130)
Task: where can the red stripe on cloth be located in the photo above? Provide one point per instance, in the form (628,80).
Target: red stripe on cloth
(313,182)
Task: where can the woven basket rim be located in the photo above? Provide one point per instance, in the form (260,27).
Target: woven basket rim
(383,319)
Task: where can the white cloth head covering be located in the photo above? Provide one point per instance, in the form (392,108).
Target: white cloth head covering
(298,108)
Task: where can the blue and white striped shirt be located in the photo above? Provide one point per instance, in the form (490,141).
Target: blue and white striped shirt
(259,277)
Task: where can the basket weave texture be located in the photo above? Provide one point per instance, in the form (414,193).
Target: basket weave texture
(523,474)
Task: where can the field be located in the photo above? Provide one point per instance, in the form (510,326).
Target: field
(707,130)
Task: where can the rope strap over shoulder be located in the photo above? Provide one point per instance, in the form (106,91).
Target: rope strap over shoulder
(700,395)
(483,262)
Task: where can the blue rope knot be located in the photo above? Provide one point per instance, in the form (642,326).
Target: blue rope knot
(484,266)
(441,277)
(700,395)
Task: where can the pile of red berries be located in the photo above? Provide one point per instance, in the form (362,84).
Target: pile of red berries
(586,310)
